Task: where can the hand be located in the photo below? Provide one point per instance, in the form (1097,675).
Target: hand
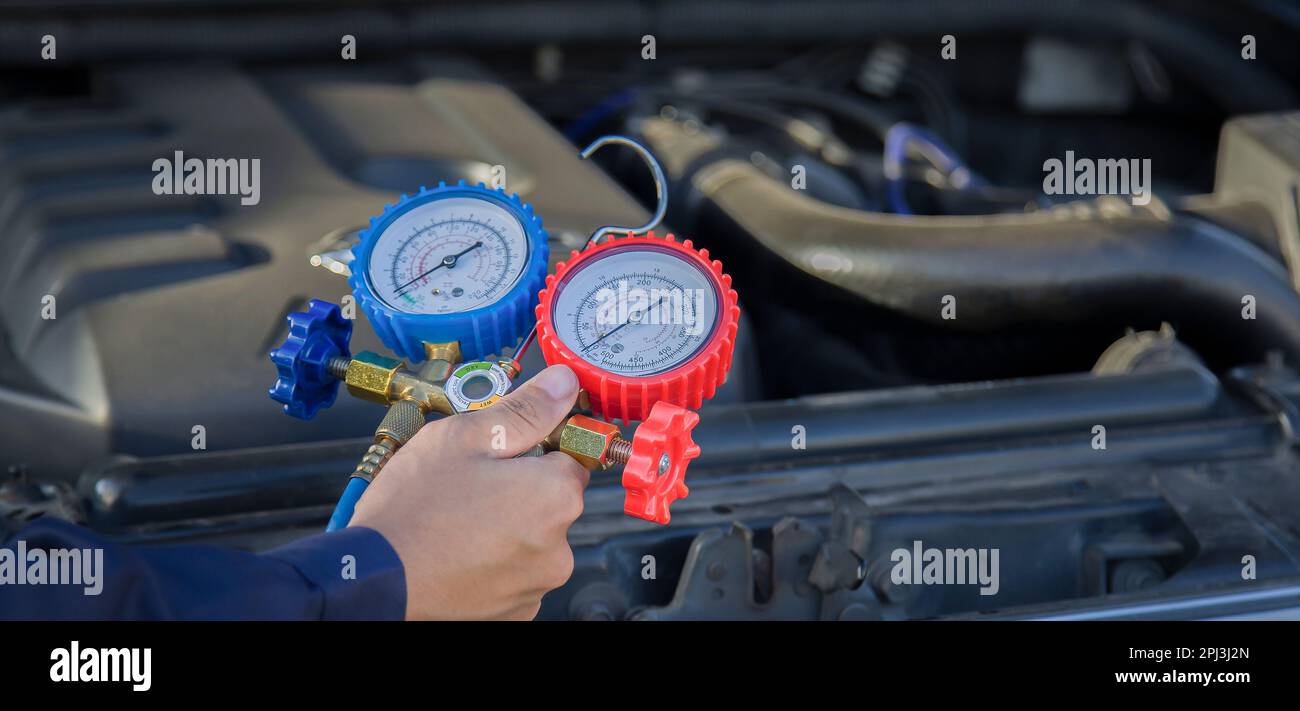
(481,535)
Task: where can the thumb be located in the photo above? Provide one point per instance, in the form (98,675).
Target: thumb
(523,417)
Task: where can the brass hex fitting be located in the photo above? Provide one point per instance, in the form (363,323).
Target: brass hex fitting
(370,375)
(448,351)
(588,440)
(441,359)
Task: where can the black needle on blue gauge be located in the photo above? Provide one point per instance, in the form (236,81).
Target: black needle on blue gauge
(448,261)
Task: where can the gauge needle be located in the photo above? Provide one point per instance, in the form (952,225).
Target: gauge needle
(629,320)
(448,261)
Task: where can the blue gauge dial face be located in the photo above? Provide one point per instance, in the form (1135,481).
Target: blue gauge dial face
(448,256)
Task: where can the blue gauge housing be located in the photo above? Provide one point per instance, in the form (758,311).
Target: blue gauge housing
(482,331)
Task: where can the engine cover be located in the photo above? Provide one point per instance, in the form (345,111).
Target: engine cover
(165,305)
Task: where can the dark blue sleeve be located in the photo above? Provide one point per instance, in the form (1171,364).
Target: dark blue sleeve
(348,574)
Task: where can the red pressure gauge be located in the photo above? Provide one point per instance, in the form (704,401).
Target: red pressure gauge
(640,320)
(648,324)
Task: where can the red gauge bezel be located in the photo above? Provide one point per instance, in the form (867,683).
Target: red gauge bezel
(629,398)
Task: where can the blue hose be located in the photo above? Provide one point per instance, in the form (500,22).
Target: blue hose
(347,502)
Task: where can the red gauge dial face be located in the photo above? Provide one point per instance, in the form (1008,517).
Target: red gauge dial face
(637,310)
(640,319)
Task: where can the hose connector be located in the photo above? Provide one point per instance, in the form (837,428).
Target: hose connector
(403,419)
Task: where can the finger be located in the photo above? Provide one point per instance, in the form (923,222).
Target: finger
(561,465)
(551,485)
(522,418)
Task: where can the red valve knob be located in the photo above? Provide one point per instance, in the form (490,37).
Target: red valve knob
(655,474)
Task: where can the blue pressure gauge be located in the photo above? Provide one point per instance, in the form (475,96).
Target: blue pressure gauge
(457,263)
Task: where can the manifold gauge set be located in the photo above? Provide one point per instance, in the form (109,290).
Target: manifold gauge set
(454,281)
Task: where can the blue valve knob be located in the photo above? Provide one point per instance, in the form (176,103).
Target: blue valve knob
(305,384)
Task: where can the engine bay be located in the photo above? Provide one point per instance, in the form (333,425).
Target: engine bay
(956,336)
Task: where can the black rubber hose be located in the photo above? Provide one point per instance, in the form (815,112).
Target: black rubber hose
(1199,55)
(1084,265)
(733,438)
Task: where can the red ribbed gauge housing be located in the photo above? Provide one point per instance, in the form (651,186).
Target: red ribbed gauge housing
(629,397)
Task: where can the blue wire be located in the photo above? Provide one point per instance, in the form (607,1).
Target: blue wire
(593,116)
(347,503)
(943,157)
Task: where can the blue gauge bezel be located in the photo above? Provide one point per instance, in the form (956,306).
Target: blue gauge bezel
(483,331)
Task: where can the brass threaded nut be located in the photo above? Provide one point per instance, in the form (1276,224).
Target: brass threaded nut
(588,440)
(370,375)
